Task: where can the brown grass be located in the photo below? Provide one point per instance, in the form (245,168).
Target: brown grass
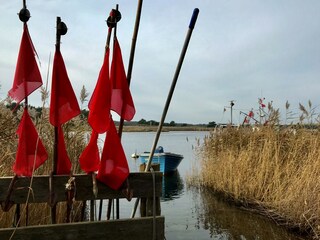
(277,170)
(74,132)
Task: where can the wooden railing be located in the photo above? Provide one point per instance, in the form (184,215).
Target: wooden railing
(141,185)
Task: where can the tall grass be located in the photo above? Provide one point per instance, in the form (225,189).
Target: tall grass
(74,132)
(276,170)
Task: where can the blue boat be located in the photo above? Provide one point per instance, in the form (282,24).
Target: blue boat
(168,161)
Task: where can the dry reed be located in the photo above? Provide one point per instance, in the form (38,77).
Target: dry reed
(275,169)
(74,132)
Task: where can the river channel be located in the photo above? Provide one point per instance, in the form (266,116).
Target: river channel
(191,213)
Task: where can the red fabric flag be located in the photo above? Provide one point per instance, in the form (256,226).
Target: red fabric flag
(63,161)
(246,119)
(251,114)
(114,168)
(99,104)
(261,103)
(63,104)
(121,101)
(31,152)
(90,158)
(27,77)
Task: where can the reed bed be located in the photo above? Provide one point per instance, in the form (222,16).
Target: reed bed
(75,133)
(276,171)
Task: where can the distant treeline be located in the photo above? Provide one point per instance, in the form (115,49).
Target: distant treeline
(142,122)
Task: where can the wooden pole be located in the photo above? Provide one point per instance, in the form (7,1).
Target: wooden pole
(167,104)
(132,52)
(18,209)
(110,200)
(56,139)
(173,84)
(55,150)
(147,204)
(130,66)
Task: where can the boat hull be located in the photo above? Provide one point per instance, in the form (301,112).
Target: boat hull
(169,162)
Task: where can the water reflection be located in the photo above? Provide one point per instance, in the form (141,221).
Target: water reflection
(225,221)
(192,213)
(172,186)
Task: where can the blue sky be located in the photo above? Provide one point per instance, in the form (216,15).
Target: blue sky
(239,50)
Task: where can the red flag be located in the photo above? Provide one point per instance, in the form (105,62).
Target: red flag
(90,158)
(63,161)
(63,104)
(99,104)
(27,77)
(121,101)
(251,114)
(114,168)
(31,152)
(261,103)
(246,119)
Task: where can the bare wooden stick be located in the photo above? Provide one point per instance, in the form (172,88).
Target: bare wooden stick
(167,104)
(106,48)
(131,57)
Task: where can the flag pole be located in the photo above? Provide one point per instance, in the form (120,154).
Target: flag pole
(61,30)
(111,22)
(173,84)
(131,57)
(17,212)
(24,16)
(116,18)
(55,151)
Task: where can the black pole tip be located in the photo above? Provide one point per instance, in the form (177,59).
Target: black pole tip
(194,18)
(62,28)
(24,15)
(115,16)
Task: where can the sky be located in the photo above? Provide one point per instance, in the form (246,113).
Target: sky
(239,50)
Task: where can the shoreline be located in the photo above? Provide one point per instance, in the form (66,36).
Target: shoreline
(137,128)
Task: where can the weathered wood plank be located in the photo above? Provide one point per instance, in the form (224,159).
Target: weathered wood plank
(140,183)
(124,229)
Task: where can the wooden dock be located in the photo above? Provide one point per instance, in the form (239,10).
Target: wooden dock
(140,228)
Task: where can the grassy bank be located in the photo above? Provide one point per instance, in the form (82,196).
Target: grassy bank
(275,171)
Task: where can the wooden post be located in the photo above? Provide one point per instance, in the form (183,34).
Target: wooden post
(146,204)
(141,183)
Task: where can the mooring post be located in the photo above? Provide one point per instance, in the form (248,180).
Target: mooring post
(146,204)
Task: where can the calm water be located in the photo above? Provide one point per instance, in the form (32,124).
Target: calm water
(191,213)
